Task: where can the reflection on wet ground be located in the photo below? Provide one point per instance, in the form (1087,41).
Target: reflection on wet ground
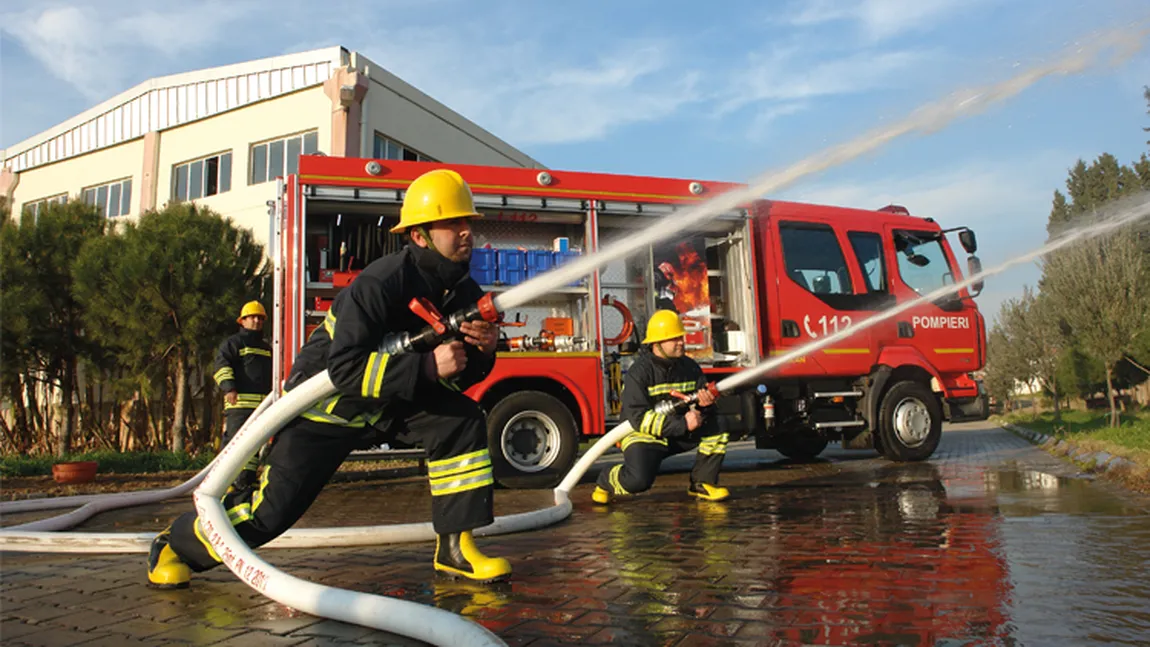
(977,547)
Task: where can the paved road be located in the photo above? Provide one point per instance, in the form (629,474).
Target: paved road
(991,542)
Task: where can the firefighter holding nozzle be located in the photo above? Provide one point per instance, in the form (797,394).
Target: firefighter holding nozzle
(414,397)
(662,371)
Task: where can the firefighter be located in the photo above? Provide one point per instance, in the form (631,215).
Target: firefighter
(244,374)
(413,397)
(661,371)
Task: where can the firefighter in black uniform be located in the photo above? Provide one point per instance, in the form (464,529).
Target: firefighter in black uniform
(661,371)
(244,373)
(412,397)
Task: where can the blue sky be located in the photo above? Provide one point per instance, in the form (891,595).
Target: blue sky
(724,91)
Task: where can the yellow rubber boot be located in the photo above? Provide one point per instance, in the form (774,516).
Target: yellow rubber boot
(708,492)
(165,569)
(601,496)
(456,554)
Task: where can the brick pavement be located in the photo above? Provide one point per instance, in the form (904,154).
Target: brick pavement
(853,549)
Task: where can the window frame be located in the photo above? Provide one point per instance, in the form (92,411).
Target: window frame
(402,150)
(36,206)
(844,289)
(222,185)
(286,166)
(101,196)
(884,270)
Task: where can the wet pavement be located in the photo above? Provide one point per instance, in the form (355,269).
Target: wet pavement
(992,542)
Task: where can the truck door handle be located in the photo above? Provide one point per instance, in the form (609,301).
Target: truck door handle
(790,328)
(904,330)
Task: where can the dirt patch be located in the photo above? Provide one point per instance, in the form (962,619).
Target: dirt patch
(14,488)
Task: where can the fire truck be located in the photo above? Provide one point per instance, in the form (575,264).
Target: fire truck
(752,283)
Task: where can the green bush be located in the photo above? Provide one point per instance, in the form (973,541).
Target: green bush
(110,462)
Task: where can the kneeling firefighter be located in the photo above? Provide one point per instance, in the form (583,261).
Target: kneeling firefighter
(662,371)
(414,397)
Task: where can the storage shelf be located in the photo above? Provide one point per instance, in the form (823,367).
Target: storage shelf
(563,290)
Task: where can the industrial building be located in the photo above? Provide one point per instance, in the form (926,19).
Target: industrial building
(221,136)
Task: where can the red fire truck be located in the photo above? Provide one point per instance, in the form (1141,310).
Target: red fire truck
(752,283)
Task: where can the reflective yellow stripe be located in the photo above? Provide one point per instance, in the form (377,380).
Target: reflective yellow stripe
(712,445)
(667,387)
(953,351)
(613,480)
(449,463)
(373,374)
(258,497)
(484,461)
(449,385)
(329,324)
(225,374)
(240,513)
(470,481)
(631,439)
(204,540)
(652,424)
(248,350)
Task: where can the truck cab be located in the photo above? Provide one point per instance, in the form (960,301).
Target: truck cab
(824,269)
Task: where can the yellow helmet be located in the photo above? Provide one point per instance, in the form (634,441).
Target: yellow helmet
(252,308)
(664,325)
(436,195)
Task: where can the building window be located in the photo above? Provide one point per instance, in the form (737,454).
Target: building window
(203,177)
(113,199)
(386,148)
(273,159)
(36,207)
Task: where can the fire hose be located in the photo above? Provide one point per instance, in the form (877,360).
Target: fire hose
(628,321)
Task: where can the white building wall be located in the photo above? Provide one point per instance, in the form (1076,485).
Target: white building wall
(72,175)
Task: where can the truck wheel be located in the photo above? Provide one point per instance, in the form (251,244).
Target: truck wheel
(909,422)
(803,444)
(532,439)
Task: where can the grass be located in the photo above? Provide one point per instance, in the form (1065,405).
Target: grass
(153,462)
(110,462)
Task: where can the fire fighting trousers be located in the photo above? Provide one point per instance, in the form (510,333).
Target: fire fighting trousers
(306,454)
(643,453)
(233,420)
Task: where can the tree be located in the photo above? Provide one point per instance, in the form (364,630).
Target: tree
(1000,376)
(46,319)
(1090,187)
(1101,290)
(165,290)
(1031,327)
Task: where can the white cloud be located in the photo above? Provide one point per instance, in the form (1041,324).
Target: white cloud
(879,19)
(100,50)
(528,97)
(784,76)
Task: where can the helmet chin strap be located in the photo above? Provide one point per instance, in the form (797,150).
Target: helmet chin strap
(430,244)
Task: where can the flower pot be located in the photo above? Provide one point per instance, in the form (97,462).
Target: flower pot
(74,472)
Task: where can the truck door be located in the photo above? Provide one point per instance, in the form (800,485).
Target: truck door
(945,331)
(821,289)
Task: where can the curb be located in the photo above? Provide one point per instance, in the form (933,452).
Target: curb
(1101,461)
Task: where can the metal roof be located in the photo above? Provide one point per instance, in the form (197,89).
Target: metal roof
(169,101)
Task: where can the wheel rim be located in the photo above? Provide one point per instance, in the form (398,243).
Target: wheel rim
(530,441)
(912,422)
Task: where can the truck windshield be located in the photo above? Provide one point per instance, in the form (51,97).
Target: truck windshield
(921,261)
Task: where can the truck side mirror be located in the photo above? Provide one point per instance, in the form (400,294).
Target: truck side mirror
(973,267)
(968,240)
